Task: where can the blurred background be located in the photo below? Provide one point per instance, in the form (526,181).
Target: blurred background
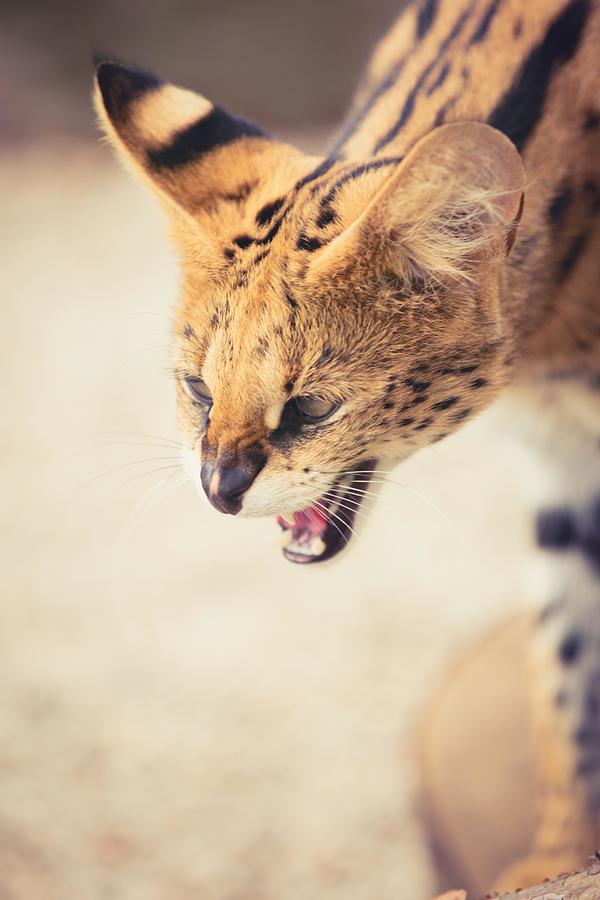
(185,714)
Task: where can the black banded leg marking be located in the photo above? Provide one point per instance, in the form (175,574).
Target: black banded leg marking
(569,638)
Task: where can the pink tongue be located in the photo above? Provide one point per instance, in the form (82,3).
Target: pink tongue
(311,519)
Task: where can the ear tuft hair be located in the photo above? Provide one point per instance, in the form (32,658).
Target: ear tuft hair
(455,205)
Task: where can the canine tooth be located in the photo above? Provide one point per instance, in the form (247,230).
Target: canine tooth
(285,539)
(318,547)
(288,518)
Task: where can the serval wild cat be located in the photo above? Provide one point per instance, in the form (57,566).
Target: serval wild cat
(340,313)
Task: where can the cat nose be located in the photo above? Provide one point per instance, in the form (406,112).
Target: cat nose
(225,486)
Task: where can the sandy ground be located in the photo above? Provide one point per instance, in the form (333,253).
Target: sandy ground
(184,714)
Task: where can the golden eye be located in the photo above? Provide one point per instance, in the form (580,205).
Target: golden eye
(312,409)
(198,390)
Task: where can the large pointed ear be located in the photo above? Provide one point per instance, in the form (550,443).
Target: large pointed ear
(192,151)
(446,216)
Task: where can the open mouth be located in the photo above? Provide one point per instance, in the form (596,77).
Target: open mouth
(320,531)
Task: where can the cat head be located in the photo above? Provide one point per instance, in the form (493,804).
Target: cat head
(335,314)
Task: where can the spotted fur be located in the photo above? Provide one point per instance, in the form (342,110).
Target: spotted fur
(444,250)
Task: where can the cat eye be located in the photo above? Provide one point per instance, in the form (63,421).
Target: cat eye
(311,409)
(198,390)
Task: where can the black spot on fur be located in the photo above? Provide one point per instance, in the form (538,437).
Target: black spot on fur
(517,29)
(421,398)
(404,423)
(484,23)
(213,130)
(572,256)
(424,424)
(519,111)
(214,320)
(326,216)
(570,648)
(229,253)
(590,534)
(325,356)
(310,244)
(555,528)
(189,332)
(585,734)
(389,404)
(441,405)
(417,386)
(460,416)
(591,120)
(479,383)
(243,240)
(266,213)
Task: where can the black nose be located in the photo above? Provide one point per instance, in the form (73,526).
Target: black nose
(225,486)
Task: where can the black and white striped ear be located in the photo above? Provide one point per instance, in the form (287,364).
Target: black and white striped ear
(189,148)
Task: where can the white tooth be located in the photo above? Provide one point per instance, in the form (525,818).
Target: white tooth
(318,547)
(285,539)
(288,518)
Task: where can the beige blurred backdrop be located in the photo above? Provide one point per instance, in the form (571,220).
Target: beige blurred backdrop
(185,715)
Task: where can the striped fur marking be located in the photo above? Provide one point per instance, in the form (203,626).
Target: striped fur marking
(216,129)
(409,103)
(520,110)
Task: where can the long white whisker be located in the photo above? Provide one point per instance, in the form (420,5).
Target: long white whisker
(135,462)
(156,493)
(138,443)
(426,500)
(138,434)
(327,512)
(145,475)
(344,504)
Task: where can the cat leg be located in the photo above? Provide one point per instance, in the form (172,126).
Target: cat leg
(565,698)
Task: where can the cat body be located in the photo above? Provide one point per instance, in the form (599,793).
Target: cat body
(340,313)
